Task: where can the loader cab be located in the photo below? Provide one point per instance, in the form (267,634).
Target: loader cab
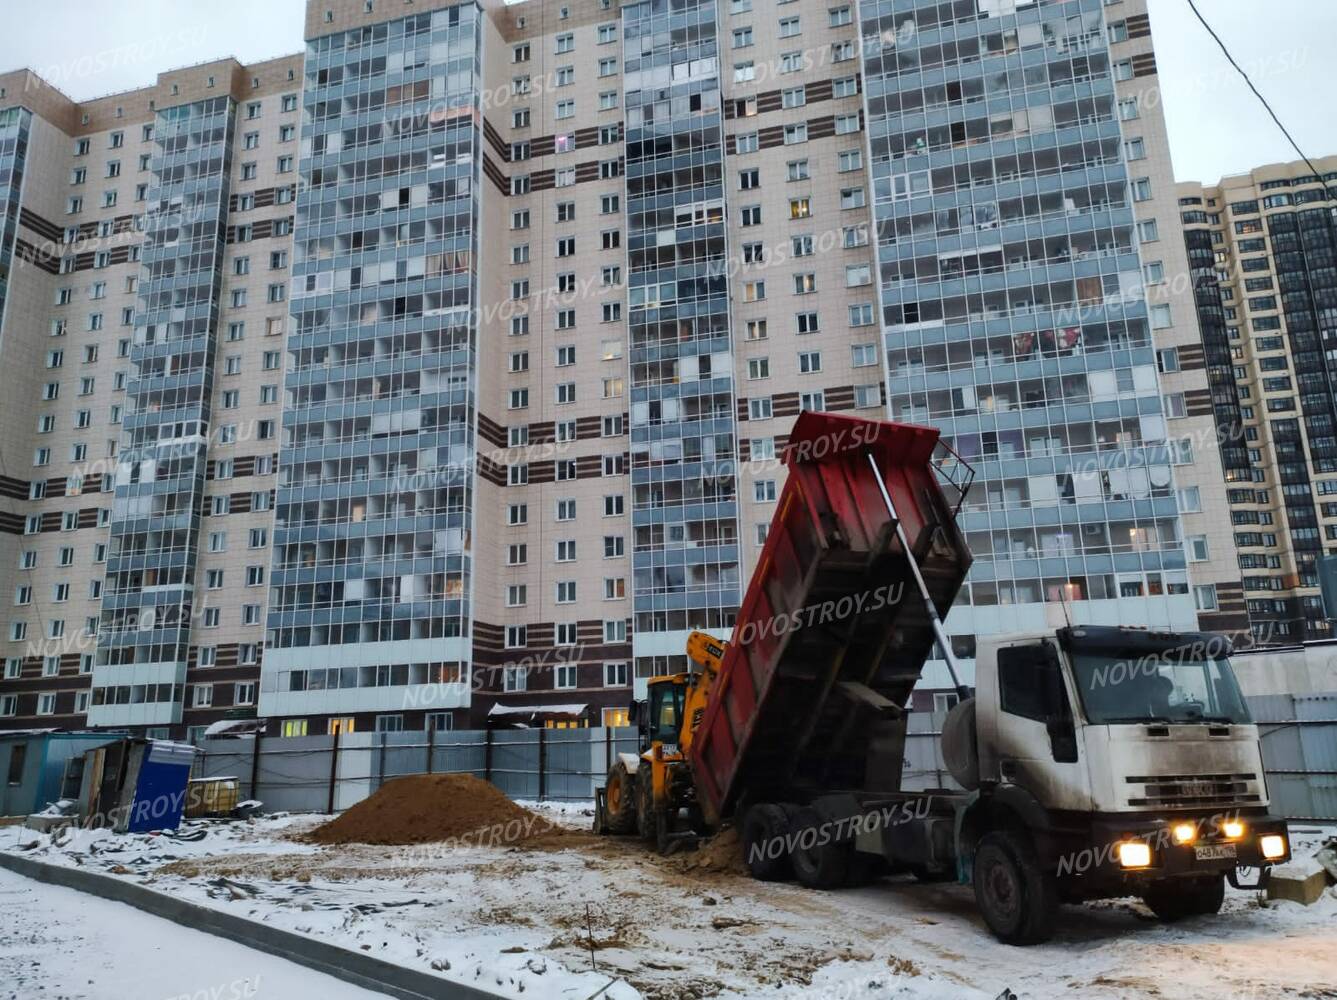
(661,720)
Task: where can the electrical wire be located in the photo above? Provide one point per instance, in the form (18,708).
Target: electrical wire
(1262,100)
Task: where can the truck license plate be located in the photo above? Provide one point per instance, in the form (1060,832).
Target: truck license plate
(1214,852)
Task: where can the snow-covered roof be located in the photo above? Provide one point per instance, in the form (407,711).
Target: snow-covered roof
(536,710)
(235,727)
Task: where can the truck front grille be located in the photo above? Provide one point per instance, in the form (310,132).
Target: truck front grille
(1194,790)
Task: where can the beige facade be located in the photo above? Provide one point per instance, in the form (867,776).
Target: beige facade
(557,384)
(1209,542)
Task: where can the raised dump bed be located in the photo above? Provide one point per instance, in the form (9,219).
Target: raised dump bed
(833,632)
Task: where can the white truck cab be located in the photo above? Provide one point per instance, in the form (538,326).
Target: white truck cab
(1106,761)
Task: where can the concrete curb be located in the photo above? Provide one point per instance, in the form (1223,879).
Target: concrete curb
(352,967)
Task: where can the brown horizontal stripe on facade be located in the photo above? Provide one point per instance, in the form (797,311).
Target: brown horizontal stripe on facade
(261,229)
(11,523)
(264,197)
(771,100)
(491,431)
(119,224)
(14,489)
(30,254)
(773,136)
(40,225)
(491,471)
(546,145)
(551,656)
(493,173)
(1139,26)
(1144,65)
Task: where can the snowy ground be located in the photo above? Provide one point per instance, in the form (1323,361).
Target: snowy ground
(70,945)
(533,922)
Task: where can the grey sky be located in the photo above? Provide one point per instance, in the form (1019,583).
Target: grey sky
(93,47)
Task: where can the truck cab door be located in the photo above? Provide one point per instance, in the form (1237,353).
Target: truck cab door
(1037,745)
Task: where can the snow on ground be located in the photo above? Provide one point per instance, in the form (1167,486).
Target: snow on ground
(60,943)
(535,920)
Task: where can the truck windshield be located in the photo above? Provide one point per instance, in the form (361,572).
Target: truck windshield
(1157,687)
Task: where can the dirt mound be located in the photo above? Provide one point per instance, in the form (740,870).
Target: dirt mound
(429,808)
(721,853)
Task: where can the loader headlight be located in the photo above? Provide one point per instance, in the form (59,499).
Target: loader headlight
(1184,833)
(1233,829)
(1273,846)
(1134,854)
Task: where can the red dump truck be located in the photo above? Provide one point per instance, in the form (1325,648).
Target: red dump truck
(1091,761)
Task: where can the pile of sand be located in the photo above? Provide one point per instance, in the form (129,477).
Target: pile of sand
(722,853)
(428,808)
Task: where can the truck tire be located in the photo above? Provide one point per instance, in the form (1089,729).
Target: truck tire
(763,840)
(1015,895)
(620,790)
(645,804)
(818,861)
(1177,898)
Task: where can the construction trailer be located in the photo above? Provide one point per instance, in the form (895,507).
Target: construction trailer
(33,761)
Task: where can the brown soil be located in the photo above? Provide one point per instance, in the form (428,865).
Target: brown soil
(429,808)
(722,853)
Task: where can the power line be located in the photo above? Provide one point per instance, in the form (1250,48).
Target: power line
(1263,100)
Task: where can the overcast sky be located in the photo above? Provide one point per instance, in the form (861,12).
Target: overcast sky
(90,48)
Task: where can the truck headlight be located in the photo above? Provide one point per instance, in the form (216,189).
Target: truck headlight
(1233,829)
(1184,833)
(1273,846)
(1134,854)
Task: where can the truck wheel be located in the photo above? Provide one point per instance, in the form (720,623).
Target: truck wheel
(620,791)
(645,804)
(1015,895)
(1175,899)
(763,837)
(818,861)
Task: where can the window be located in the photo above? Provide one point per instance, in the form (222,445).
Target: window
(809,362)
(1204,597)
(566,591)
(1197,548)
(616,675)
(1026,683)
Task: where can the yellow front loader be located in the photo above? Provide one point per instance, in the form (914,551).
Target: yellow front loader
(648,792)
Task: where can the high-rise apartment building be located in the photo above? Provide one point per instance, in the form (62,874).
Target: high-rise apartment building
(1264,253)
(436,376)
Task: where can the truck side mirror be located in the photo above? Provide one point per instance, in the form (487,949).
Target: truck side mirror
(634,713)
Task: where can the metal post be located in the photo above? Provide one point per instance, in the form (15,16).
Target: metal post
(431,745)
(487,756)
(255,766)
(940,633)
(334,770)
(543,763)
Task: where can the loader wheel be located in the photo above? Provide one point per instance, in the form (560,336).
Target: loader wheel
(1016,896)
(620,791)
(763,837)
(818,861)
(645,804)
(1176,898)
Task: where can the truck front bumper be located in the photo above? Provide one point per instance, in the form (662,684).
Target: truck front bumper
(1166,851)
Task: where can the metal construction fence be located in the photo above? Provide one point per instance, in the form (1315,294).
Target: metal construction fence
(331,773)
(1298,733)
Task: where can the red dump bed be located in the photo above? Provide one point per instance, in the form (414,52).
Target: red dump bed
(832,633)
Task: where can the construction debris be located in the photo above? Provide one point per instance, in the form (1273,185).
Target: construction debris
(1300,882)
